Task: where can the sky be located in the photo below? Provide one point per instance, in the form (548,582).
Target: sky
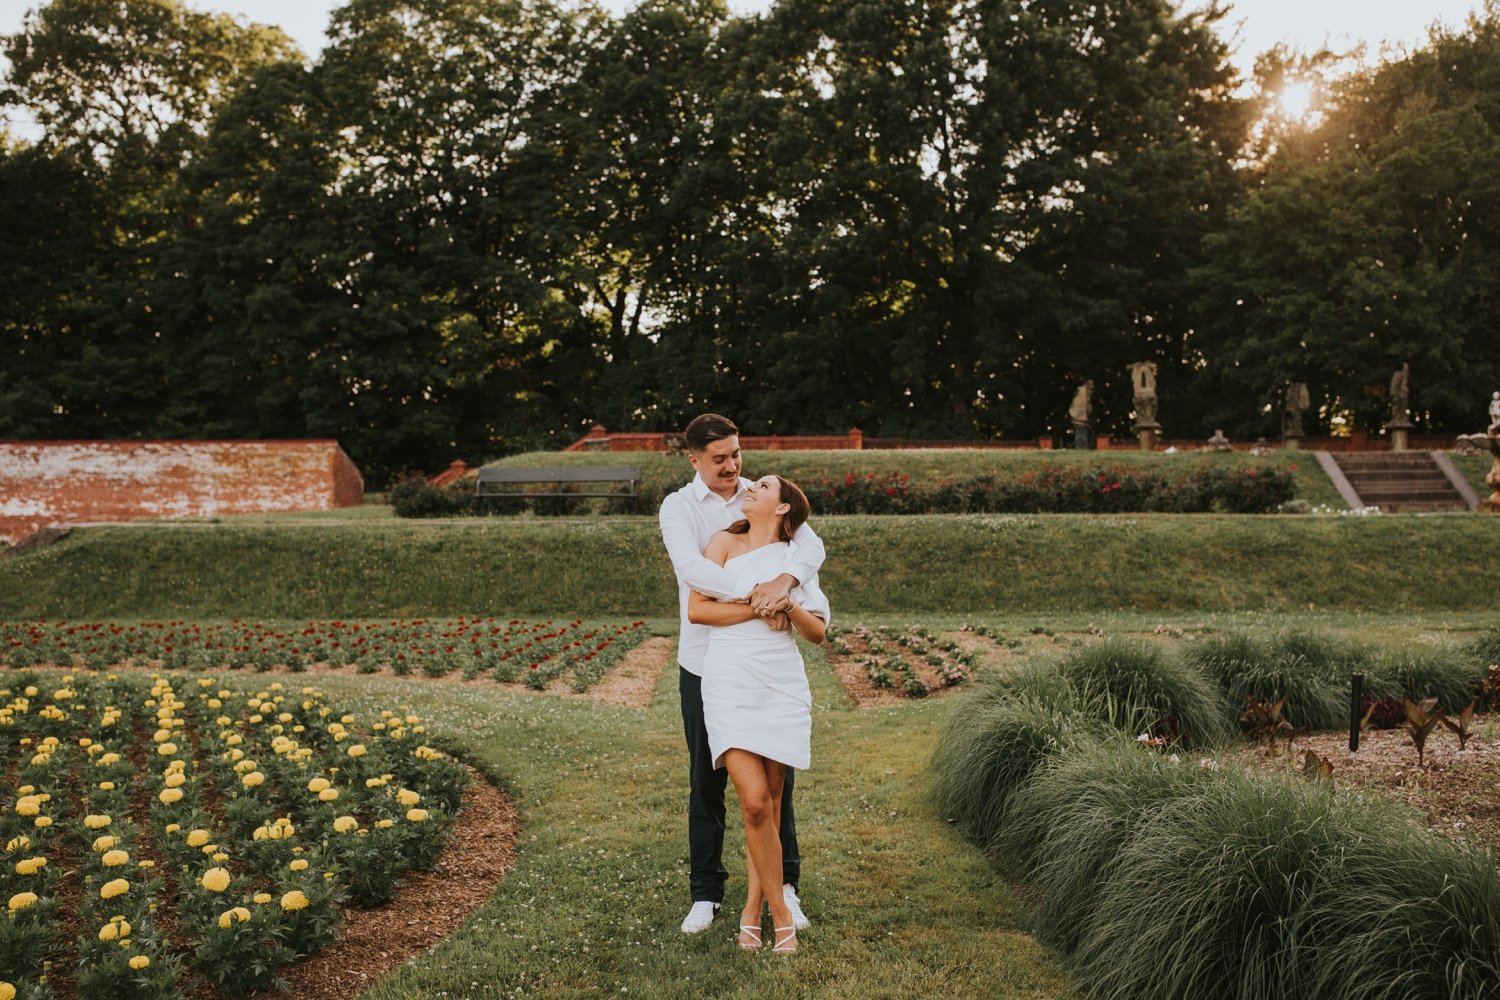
(1302,24)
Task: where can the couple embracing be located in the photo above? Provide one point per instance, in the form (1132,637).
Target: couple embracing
(747,578)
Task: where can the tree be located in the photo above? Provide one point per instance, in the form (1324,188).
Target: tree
(1371,243)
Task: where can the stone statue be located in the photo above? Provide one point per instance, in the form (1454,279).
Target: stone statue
(1297,400)
(1219,442)
(1401,397)
(1078,412)
(1495,411)
(1143,379)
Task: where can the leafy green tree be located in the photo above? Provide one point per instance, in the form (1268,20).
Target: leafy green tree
(1372,242)
(123,93)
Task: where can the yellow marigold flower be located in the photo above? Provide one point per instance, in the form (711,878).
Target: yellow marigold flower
(106,786)
(357,750)
(175,780)
(416,815)
(17,844)
(318,784)
(230,917)
(261,898)
(39,759)
(7,991)
(253,779)
(374,782)
(170,795)
(109,759)
(139,962)
(28,805)
(114,859)
(146,864)
(294,900)
(385,824)
(97,821)
(21,900)
(219,857)
(167,750)
(328,795)
(345,824)
(298,865)
(198,838)
(105,842)
(113,888)
(234,739)
(42,822)
(256,719)
(30,866)
(110,931)
(244,765)
(172,828)
(161,735)
(215,880)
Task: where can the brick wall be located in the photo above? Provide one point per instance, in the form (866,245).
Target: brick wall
(73,482)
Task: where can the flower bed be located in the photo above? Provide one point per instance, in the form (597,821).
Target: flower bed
(878,664)
(514,651)
(193,831)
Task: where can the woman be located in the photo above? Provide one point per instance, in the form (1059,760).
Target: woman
(756,702)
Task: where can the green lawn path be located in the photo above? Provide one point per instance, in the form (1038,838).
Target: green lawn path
(902,905)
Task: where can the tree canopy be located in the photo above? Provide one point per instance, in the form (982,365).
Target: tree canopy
(472,226)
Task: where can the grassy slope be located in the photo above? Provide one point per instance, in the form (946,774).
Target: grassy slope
(902,905)
(611,566)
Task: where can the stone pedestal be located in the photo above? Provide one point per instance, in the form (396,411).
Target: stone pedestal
(1399,435)
(1145,433)
(1080,437)
(1291,442)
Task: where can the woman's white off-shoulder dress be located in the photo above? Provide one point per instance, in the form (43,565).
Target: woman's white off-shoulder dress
(755,693)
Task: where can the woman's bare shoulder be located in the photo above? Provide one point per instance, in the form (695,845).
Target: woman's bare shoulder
(721,546)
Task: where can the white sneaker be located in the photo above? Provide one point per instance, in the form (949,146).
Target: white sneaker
(799,919)
(699,917)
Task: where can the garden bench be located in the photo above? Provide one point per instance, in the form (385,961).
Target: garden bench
(492,482)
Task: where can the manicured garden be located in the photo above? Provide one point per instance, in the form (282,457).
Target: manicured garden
(939,621)
(168,832)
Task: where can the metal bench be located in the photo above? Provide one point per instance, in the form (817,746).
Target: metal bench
(507,482)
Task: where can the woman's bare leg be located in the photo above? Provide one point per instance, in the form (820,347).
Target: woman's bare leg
(752,776)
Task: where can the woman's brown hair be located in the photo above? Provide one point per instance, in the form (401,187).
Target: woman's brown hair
(798,511)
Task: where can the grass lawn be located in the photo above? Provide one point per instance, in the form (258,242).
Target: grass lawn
(902,906)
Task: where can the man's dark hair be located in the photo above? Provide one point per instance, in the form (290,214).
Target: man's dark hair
(706,428)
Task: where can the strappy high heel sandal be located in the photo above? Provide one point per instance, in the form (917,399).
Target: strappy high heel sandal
(753,930)
(785,945)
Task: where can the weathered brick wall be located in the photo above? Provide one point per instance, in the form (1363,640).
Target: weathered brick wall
(72,482)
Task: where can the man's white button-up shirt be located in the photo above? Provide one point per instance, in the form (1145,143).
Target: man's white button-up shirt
(690,517)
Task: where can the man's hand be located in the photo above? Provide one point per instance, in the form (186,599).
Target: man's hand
(773,596)
(780,621)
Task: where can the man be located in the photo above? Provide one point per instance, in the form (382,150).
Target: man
(689,518)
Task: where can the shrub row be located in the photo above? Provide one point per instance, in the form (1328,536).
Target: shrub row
(1158,877)
(1049,490)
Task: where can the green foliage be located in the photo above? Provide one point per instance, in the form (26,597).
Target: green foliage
(1305,670)
(1137,687)
(367,568)
(990,746)
(1248,887)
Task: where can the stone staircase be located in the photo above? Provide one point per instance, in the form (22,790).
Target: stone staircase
(1399,482)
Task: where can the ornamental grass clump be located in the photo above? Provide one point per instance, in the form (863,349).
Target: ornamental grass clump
(1451,677)
(1140,688)
(1309,672)
(991,744)
(1269,888)
(1073,817)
